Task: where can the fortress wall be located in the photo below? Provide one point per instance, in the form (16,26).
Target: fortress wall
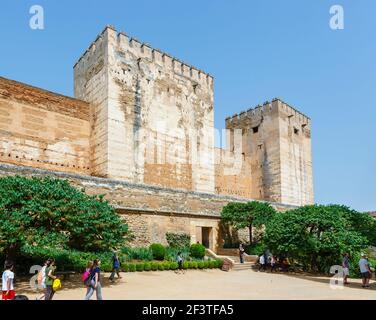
(43,129)
(150,211)
(233,174)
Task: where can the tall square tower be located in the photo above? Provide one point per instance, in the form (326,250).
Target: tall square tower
(152,114)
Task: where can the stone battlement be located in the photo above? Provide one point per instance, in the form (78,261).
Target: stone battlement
(263,110)
(144,50)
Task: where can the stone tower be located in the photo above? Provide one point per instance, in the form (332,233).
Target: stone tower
(276,146)
(152,115)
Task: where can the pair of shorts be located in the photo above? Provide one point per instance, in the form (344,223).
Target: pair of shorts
(9,296)
(366,275)
(346,272)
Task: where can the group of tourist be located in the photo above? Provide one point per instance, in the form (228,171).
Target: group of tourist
(48,282)
(265,260)
(269,261)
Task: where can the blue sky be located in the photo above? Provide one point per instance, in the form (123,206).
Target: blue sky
(256,50)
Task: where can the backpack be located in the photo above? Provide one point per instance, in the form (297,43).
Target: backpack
(86,278)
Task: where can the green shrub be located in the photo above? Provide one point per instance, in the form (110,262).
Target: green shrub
(255,249)
(139,253)
(161,266)
(171,253)
(206,264)
(197,250)
(200,264)
(132,267)
(178,240)
(194,265)
(147,266)
(185,265)
(174,265)
(212,264)
(219,263)
(154,266)
(140,267)
(158,251)
(166,265)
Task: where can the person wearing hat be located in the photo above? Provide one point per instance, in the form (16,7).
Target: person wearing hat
(365,270)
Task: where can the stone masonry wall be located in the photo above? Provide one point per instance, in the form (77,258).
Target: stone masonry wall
(275,142)
(157,110)
(43,129)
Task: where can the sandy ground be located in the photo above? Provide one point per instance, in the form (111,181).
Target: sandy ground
(211,284)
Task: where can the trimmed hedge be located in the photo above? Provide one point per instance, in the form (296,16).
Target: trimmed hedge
(147,266)
(154,266)
(197,250)
(167,265)
(140,266)
(158,251)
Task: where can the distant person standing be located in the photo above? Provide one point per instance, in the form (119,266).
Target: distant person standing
(180,263)
(262,262)
(7,282)
(365,270)
(115,267)
(346,268)
(273,263)
(241,253)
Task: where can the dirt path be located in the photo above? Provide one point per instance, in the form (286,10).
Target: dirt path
(212,284)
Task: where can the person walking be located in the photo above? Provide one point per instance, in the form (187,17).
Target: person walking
(241,253)
(346,268)
(7,282)
(365,270)
(87,276)
(42,282)
(115,267)
(50,277)
(95,284)
(180,263)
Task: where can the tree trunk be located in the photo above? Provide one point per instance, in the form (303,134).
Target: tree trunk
(250,235)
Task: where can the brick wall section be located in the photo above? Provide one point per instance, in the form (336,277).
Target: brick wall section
(43,129)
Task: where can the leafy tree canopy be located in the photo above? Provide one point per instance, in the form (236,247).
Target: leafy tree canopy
(247,215)
(315,235)
(49,212)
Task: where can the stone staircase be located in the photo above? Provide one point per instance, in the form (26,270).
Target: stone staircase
(234,261)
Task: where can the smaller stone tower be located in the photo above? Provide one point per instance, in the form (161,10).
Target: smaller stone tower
(276,144)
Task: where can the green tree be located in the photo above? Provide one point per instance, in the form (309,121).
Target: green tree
(315,236)
(247,215)
(359,222)
(50,213)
